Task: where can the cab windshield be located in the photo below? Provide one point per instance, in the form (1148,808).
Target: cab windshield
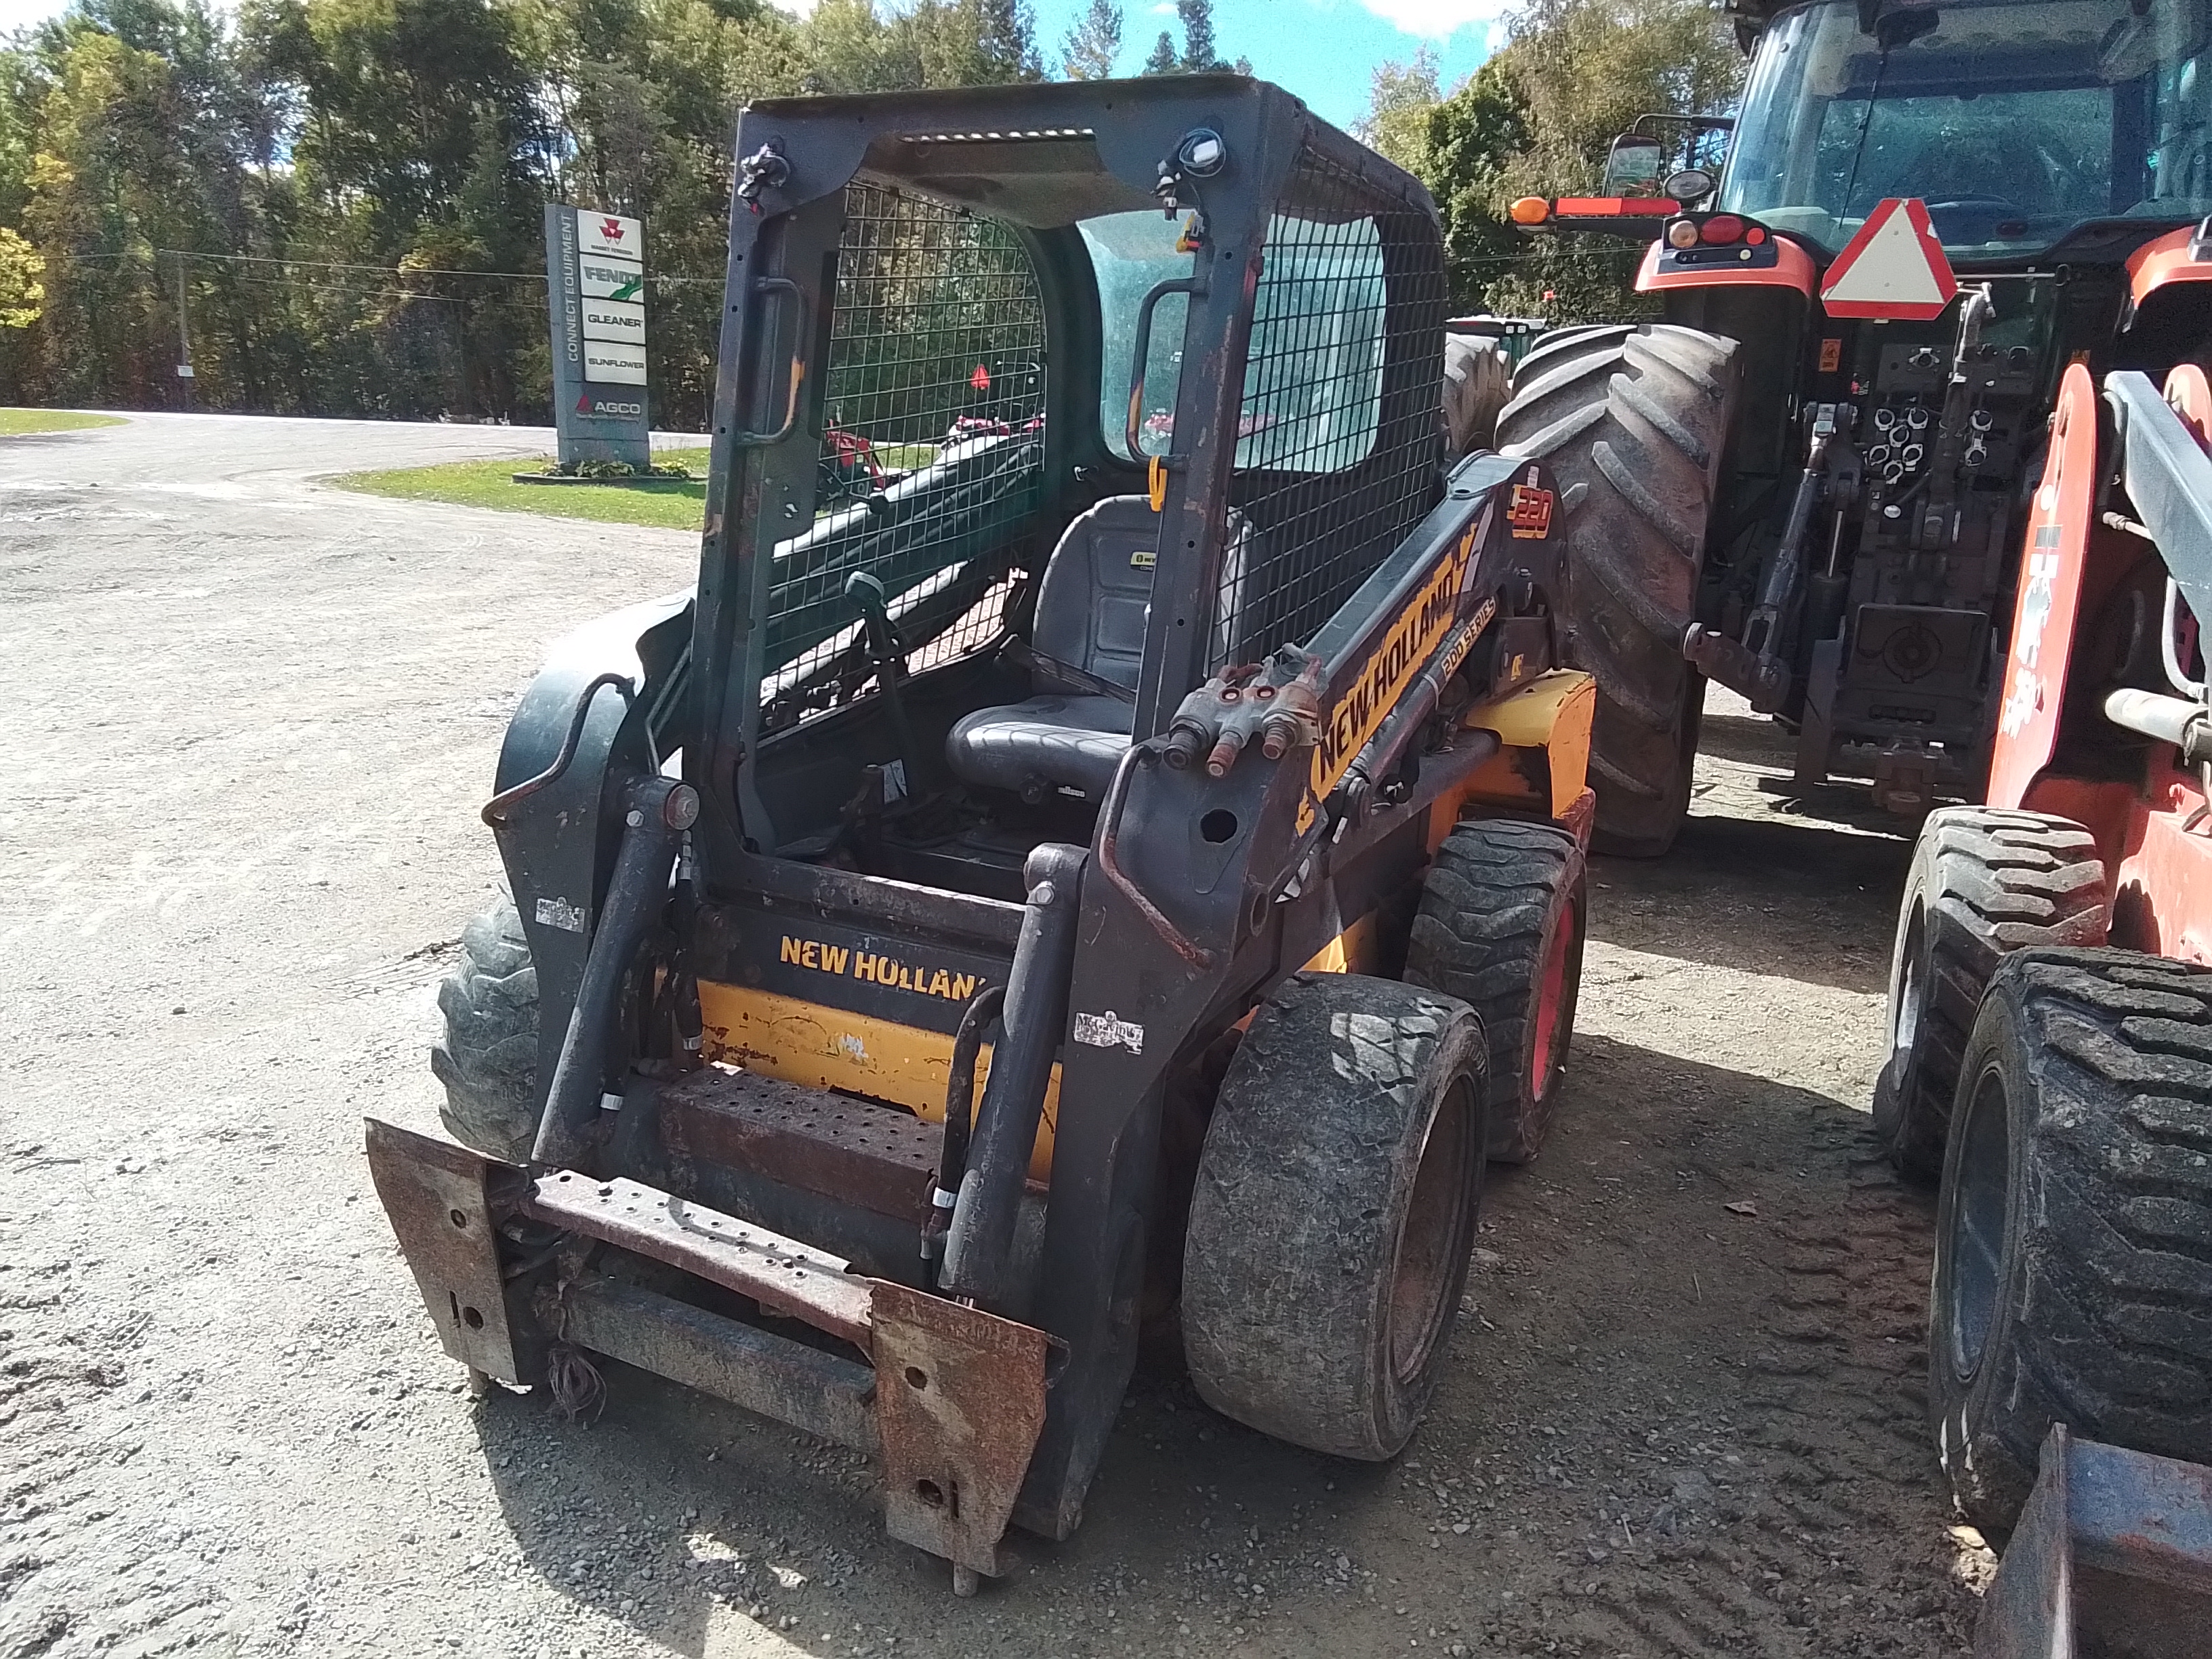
(2015,122)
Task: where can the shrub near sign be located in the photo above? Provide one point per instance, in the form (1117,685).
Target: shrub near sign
(595,271)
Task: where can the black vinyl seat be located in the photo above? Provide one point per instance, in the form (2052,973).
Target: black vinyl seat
(1090,615)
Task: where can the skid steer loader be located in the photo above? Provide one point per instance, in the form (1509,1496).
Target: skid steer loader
(1809,481)
(2050,1052)
(1131,861)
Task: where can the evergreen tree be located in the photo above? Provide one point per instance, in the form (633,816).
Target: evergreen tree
(1094,44)
(1199,57)
(1163,60)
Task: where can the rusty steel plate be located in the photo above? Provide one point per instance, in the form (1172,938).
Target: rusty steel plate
(436,1194)
(778,1273)
(959,1404)
(762,1372)
(877,1157)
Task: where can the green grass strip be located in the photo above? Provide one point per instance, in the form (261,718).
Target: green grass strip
(13,423)
(669,505)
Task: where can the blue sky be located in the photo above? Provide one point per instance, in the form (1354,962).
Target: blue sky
(1325,51)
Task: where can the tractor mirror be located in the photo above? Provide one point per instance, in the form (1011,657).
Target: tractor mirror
(1632,166)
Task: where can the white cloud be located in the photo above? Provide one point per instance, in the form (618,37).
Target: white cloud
(21,14)
(1437,20)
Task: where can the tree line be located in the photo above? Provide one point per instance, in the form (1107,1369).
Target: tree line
(335,206)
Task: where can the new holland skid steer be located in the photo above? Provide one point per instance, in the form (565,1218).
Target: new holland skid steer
(2051,1053)
(1129,862)
(1809,481)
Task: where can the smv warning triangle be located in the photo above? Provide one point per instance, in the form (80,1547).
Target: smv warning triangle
(1894,267)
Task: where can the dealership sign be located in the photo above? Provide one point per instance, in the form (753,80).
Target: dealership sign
(595,278)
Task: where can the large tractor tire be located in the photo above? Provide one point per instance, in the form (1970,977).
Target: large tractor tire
(1984,881)
(488,1059)
(1632,422)
(1500,927)
(2076,1223)
(1478,381)
(1335,1213)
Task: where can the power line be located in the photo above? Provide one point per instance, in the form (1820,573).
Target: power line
(383,271)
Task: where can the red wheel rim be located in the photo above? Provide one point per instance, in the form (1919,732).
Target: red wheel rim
(1551,1003)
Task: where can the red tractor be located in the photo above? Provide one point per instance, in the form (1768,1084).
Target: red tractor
(2051,1039)
(1810,481)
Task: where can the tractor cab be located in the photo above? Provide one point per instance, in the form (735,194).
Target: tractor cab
(2021,123)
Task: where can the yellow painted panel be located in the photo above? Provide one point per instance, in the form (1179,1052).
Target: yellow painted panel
(1551,713)
(1352,951)
(825,1047)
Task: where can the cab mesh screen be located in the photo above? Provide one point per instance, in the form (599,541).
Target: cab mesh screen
(931,458)
(1338,450)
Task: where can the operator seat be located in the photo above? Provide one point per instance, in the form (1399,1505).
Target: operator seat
(1090,613)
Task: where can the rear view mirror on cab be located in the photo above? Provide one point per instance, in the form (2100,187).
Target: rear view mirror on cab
(1633,165)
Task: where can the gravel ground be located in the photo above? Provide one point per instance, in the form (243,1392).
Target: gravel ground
(251,723)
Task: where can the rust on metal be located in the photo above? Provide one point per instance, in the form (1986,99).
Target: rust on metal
(437,1196)
(2113,1554)
(779,1274)
(875,1157)
(960,1402)
(749,1367)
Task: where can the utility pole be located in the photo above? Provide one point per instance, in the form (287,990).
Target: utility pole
(184,335)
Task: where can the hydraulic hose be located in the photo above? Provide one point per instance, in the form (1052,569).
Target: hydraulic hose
(978,1251)
(983,1012)
(656,811)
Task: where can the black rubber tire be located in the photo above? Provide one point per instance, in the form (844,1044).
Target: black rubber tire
(1633,424)
(2074,1238)
(1335,1213)
(1478,380)
(488,1058)
(1984,881)
(1504,911)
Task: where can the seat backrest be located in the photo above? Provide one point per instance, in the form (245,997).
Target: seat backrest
(1098,587)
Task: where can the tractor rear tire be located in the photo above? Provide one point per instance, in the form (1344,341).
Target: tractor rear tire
(1632,424)
(1478,381)
(1984,881)
(1500,927)
(1335,1213)
(488,1059)
(2076,1223)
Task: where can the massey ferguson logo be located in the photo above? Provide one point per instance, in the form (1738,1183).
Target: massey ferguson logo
(611,229)
(587,404)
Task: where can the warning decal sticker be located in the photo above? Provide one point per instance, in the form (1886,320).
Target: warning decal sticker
(1894,267)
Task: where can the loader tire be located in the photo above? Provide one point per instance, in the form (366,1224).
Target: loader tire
(1500,927)
(1984,881)
(1335,1213)
(2075,1231)
(1632,424)
(488,1058)
(1478,380)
